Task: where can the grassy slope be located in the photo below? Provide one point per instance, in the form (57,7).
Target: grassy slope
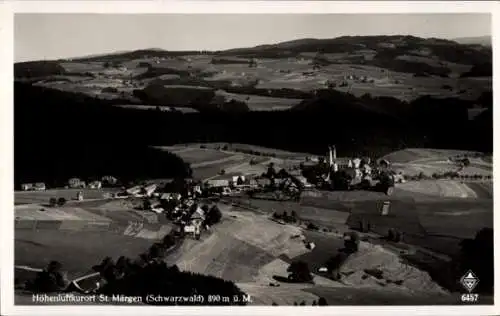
(78,251)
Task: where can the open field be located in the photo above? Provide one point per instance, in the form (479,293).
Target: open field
(261,103)
(97,215)
(416,154)
(213,170)
(81,235)
(428,168)
(434,223)
(264,150)
(248,248)
(77,251)
(208,162)
(430,162)
(239,148)
(440,188)
(270,240)
(482,190)
(198,155)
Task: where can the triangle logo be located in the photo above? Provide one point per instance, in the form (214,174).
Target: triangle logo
(469,281)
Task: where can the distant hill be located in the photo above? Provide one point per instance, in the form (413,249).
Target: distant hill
(383,46)
(478,40)
(407,54)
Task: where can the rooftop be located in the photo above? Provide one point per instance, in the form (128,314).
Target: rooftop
(228,176)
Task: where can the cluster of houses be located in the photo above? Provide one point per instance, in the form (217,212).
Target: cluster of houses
(39,186)
(189,217)
(239,182)
(72,183)
(182,208)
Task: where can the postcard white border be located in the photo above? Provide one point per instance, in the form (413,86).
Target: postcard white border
(7,9)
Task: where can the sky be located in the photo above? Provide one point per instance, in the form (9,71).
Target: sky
(54,36)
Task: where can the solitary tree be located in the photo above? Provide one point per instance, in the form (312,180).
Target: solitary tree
(271,172)
(213,216)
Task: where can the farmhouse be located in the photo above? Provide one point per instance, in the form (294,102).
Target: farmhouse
(238,178)
(171,196)
(27,186)
(134,190)
(303,180)
(214,183)
(149,189)
(40,186)
(76,183)
(198,216)
(95,185)
(109,180)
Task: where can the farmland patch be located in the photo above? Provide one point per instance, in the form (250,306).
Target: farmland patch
(78,251)
(198,157)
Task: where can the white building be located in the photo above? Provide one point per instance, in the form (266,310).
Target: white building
(95,185)
(218,182)
(134,190)
(27,186)
(235,178)
(40,186)
(150,189)
(109,180)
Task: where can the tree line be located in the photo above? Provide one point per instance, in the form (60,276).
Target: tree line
(65,134)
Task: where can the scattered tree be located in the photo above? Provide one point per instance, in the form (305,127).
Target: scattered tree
(52,279)
(213,216)
(351,242)
(299,272)
(312,226)
(146,204)
(61,201)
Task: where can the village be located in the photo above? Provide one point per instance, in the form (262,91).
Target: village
(352,199)
(190,203)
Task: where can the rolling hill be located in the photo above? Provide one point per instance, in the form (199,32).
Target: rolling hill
(477,40)
(367,94)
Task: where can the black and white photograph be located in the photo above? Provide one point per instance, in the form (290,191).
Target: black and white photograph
(261,159)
